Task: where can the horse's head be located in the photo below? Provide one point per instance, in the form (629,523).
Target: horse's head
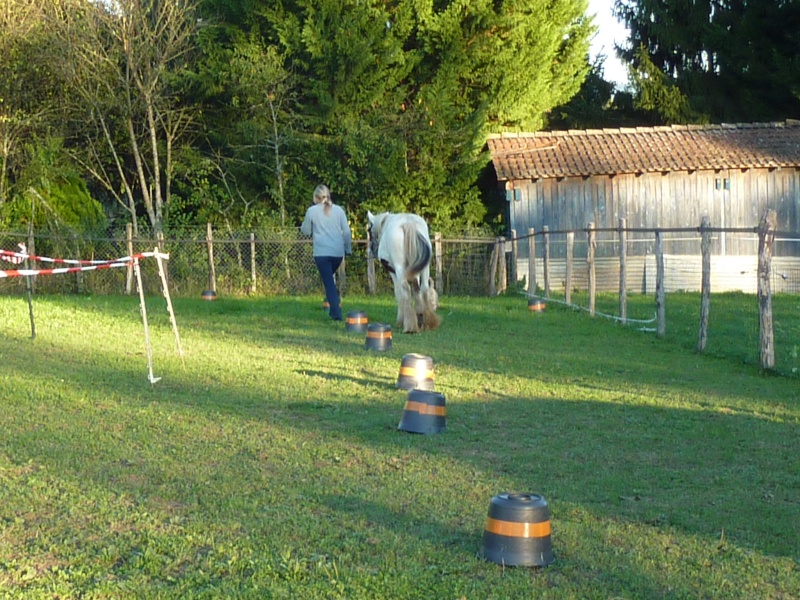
(374,228)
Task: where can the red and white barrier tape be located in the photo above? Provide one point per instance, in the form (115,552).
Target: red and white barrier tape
(18,257)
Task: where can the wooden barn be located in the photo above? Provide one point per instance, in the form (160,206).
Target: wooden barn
(655,178)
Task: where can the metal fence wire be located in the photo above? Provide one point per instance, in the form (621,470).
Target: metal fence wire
(281,263)
(270,264)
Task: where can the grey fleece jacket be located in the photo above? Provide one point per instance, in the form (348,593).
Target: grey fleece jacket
(331,233)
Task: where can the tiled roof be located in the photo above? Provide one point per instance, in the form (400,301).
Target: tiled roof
(588,152)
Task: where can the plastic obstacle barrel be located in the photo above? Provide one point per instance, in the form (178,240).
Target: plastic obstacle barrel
(424,412)
(517,531)
(416,372)
(536,306)
(379,337)
(356,321)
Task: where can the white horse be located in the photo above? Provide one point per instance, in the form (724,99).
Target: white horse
(402,244)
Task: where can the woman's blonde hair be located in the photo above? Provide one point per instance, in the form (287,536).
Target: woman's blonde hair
(322,195)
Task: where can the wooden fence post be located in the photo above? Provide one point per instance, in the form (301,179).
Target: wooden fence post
(568,277)
(162,247)
(766,237)
(79,277)
(129,246)
(341,276)
(705,283)
(514,257)
(502,272)
(493,268)
(252,263)
(623,270)
(370,265)
(546,260)
(30,251)
(531,261)
(212,276)
(661,315)
(438,254)
(592,246)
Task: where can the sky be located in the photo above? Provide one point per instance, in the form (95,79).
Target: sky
(609,31)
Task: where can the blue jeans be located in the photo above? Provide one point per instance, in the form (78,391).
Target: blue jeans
(327,265)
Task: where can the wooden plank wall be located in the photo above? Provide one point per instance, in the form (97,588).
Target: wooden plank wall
(731,198)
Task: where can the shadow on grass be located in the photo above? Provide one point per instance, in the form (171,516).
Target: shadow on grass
(703,472)
(697,471)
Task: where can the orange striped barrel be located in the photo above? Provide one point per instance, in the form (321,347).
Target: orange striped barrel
(416,373)
(425,412)
(536,306)
(379,337)
(517,531)
(356,321)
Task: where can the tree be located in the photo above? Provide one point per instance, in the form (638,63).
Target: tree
(31,83)
(733,61)
(394,98)
(127,59)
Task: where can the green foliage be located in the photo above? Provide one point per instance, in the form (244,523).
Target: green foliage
(732,61)
(658,95)
(50,192)
(65,203)
(32,82)
(388,103)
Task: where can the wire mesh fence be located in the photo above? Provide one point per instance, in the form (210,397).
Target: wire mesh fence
(561,274)
(281,263)
(275,263)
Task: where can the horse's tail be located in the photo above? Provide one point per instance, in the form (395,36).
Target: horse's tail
(418,251)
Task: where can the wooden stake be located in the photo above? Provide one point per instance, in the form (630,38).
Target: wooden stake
(531,262)
(29,283)
(661,297)
(592,246)
(546,261)
(766,238)
(623,271)
(129,247)
(253,263)
(212,276)
(568,275)
(705,283)
(437,245)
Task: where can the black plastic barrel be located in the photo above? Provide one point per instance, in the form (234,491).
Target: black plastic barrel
(416,373)
(379,337)
(517,531)
(425,412)
(356,321)
(536,306)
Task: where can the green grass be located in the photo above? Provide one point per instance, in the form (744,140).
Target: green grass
(271,466)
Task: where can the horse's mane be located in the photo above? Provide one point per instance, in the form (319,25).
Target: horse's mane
(377,224)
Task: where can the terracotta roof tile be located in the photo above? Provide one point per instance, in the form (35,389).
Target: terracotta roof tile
(588,152)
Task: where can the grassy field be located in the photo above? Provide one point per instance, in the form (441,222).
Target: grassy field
(271,465)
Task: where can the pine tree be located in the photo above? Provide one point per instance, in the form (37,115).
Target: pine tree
(734,61)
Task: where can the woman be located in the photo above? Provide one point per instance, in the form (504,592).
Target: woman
(327,224)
